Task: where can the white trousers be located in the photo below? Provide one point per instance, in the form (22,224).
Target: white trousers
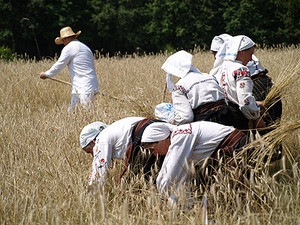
(85,99)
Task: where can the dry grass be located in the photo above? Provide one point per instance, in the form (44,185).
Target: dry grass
(44,172)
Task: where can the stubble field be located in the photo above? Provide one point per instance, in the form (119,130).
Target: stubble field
(44,172)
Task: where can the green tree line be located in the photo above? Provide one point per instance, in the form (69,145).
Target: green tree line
(127,26)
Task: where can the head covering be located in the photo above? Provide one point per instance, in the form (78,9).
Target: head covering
(64,33)
(229,50)
(178,64)
(255,66)
(90,132)
(235,44)
(157,132)
(217,41)
(165,112)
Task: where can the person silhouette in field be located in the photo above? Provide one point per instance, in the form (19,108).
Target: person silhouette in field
(262,83)
(120,140)
(187,145)
(80,61)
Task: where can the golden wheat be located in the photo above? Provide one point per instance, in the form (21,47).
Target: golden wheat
(44,172)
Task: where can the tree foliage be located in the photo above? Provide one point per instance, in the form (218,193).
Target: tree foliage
(126,26)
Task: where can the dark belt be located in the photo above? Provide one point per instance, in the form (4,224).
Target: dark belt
(133,149)
(209,106)
(234,140)
(260,75)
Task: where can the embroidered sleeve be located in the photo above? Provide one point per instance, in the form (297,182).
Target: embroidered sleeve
(101,164)
(174,170)
(182,108)
(244,86)
(185,130)
(180,89)
(241,73)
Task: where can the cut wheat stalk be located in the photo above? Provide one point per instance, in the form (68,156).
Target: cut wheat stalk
(280,86)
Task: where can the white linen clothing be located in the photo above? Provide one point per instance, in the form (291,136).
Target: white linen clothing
(234,78)
(179,64)
(229,49)
(112,142)
(191,91)
(254,66)
(191,142)
(80,61)
(217,41)
(157,132)
(90,132)
(84,99)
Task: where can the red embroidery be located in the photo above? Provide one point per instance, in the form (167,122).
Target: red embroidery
(235,72)
(102,160)
(91,174)
(242,73)
(185,131)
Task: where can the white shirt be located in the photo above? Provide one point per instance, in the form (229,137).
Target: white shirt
(191,142)
(80,61)
(191,91)
(112,142)
(234,78)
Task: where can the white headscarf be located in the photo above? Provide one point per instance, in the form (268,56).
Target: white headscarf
(178,64)
(157,132)
(255,66)
(217,41)
(229,50)
(90,132)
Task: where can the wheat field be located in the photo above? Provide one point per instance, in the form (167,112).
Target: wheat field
(44,172)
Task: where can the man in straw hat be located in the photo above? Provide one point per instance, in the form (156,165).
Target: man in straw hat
(120,140)
(187,145)
(80,61)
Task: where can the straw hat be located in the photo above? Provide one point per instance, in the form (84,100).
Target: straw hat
(64,33)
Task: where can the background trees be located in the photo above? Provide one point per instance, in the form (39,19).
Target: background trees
(110,26)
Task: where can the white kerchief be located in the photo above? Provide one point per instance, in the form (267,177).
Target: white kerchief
(254,66)
(90,132)
(178,64)
(229,50)
(217,41)
(157,131)
(170,83)
(236,44)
